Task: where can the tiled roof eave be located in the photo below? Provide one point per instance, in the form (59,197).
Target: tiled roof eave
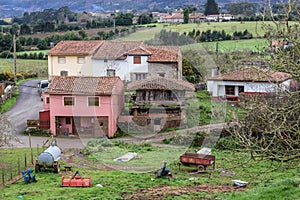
(70,54)
(81,93)
(162,61)
(260,81)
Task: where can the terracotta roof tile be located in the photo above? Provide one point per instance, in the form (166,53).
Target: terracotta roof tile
(115,49)
(71,47)
(253,74)
(163,53)
(138,51)
(160,83)
(82,85)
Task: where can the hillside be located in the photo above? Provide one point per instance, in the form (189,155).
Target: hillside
(18,7)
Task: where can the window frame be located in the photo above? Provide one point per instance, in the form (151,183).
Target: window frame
(79,58)
(68,120)
(73,101)
(229,90)
(93,102)
(137,60)
(61,59)
(140,76)
(47,100)
(64,73)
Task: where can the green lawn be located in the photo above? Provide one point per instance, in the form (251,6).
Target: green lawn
(266,180)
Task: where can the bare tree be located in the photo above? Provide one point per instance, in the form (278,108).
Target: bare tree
(271,125)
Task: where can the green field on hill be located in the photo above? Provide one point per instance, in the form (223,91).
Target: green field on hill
(25,66)
(255,44)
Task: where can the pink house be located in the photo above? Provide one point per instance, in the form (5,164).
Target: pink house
(84,106)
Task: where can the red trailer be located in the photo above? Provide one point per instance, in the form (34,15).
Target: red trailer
(201,161)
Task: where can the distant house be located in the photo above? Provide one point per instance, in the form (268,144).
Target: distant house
(128,60)
(85,106)
(275,44)
(159,103)
(174,18)
(248,81)
(219,18)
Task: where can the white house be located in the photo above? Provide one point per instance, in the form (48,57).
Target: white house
(128,60)
(247,80)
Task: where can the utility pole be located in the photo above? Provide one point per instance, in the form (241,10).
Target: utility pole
(216,70)
(15,59)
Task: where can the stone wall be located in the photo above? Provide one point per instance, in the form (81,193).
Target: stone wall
(168,70)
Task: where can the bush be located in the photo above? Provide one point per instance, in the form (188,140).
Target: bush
(187,140)
(37,132)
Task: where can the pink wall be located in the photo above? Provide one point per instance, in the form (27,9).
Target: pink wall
(110,106)
(117,106)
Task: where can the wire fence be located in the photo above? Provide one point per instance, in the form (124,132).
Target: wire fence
(12,168)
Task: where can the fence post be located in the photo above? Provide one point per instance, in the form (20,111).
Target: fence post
(19,170)
(3,181)
(11,173)
(30,149)
(25,160)
(37,149)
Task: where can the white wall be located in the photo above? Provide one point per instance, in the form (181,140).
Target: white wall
(217,88)
(123,68)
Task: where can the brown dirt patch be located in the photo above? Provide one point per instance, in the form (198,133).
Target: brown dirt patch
(160,192)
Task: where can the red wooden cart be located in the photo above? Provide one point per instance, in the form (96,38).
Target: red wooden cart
(201,161)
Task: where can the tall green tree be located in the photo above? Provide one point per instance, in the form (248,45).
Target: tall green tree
(243,8)
(211,8)
(186,15)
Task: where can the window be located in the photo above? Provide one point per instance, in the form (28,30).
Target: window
(69,101)
(68,120)
(161,74)
(61,59)
(156,121)
(137,60)
(229,90)
(110,72)
(93,101)
(140,76)
(80,60)
(47,100)
(64,73)
(241,89)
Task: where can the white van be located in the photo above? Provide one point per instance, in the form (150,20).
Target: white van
(42,86)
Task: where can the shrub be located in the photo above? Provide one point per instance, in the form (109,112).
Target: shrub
(37,132)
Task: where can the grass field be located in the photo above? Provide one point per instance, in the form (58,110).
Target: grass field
(266,181)
(36,51)
(39,66)
(256,28)
(257,44)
